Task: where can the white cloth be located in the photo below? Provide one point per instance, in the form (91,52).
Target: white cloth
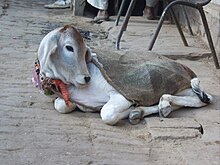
(99,4)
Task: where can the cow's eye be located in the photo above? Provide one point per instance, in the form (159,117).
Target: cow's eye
(69,48)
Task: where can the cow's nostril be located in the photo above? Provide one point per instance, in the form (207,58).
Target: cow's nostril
(87,79)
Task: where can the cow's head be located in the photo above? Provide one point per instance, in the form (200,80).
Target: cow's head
(63,55)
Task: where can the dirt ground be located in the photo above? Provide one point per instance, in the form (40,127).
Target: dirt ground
(32,132)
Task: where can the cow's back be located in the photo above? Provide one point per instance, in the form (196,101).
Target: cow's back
(143,79)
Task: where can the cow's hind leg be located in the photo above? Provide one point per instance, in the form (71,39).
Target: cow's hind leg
(192,97)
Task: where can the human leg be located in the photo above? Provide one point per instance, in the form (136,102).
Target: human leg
(102,5)
(149,9)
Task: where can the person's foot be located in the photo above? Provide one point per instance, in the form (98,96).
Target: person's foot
(101,16)
(148,12)
(59,4)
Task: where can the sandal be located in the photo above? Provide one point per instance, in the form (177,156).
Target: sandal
(59,4)
(100,19)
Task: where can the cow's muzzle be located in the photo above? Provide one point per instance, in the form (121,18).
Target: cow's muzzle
(82,79)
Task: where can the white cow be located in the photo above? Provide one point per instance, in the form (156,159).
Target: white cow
(63,55)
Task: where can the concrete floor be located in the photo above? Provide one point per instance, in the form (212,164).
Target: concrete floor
(32,132)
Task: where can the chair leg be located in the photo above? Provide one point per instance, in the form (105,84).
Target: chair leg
(119,12)
(187,20)
(160,23)
(173,16)
(162,18)
(178,27)
(208,34)
(125,22)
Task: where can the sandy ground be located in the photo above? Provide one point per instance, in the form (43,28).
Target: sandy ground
(32,132)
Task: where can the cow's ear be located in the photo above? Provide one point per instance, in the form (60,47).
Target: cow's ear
(47,51)
(88,55)
(51,46)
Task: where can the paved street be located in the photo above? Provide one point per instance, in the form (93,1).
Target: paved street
(33,133)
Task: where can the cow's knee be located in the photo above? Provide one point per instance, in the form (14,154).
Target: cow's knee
(164,101)
(165,97)
(60,106)
(109,117)
(164,105)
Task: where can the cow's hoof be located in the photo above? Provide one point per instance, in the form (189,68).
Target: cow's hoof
(60,106)
(135,116)
(165,111)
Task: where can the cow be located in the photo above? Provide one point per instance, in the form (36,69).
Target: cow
(167,85)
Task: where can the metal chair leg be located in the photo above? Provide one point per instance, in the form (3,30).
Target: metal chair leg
(173,15)
(187,20)
(178,27)
(162,18)
(125,22)
(198,6)
(209,38)
(119,12)
(160,25)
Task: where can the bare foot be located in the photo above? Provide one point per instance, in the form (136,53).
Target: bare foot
(101,16)
(148,12)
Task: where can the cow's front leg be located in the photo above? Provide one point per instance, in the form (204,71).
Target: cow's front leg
(115,109)
(138,113)
(60,106)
